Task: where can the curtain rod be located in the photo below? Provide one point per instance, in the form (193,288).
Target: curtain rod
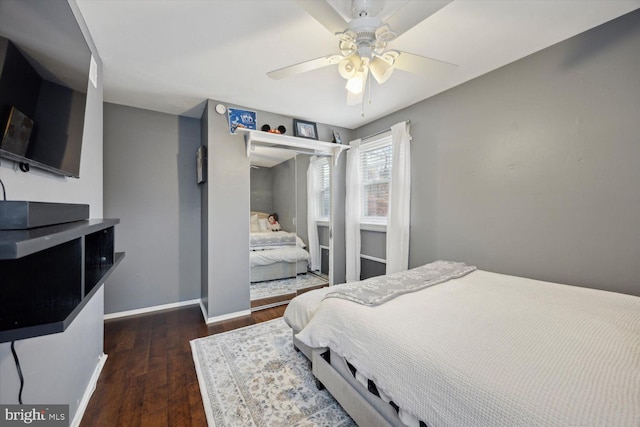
(382,131)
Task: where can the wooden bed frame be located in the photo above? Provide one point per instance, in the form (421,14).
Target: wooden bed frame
(331,372)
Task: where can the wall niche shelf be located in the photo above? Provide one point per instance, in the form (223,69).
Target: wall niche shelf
(48,274)
(311,146)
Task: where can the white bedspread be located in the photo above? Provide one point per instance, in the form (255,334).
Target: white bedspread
(493,350)
(286,254)
(298,314)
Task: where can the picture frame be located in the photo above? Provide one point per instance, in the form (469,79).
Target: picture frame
(241,119)
(336,137)
(305,129)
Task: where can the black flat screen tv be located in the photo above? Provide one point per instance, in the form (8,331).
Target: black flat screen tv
(44,75)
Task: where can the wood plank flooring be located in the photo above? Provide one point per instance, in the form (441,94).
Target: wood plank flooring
(149,378)
(283,298)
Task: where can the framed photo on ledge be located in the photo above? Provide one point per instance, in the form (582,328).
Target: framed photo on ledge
(305,129)
(336,137)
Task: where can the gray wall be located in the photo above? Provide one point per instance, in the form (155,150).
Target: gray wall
(284,194)
(58,368)
(533,169)
(150,184)
(227,217)
(261,199)
(373,244)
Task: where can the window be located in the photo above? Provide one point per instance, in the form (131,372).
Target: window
(375,170)
(324,189)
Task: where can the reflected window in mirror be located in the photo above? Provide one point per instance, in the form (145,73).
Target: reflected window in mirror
(323,195)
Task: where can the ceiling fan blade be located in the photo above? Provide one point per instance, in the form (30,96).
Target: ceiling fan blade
(302,67)
(422,65)
(322,12)
(413,13)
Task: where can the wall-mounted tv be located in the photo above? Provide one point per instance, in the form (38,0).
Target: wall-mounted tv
(44,73)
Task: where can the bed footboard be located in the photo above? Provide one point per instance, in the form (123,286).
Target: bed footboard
(333,374)
(365,408)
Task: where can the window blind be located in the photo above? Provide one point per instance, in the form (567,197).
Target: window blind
(375,170)
(324,188)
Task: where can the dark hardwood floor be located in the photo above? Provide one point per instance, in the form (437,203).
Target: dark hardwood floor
(149,378)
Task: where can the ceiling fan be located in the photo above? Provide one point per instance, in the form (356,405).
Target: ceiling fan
(363,44)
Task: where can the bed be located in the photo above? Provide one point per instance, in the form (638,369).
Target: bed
(274,255)
(476,349)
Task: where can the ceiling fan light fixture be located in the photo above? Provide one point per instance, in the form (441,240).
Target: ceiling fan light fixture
(348,67)
(379,47)
(355,84)
(390,56)
(384,34)
(381,69)
(347,48)
(347,36)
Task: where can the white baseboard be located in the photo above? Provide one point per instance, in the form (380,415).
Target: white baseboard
(150,309)
(204,311)
(214,319)
(275,304)
(91,387)
(209,320)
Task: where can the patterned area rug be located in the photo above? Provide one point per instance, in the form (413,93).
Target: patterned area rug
(272,288)
(253,377)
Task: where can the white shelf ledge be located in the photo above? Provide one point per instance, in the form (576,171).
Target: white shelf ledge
(268,139)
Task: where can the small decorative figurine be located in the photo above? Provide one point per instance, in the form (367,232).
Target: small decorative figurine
(280,130)
(274,225)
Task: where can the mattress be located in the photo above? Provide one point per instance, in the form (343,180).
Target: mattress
(489,349)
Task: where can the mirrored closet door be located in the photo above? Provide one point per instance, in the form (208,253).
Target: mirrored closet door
(281,247)
(314,209)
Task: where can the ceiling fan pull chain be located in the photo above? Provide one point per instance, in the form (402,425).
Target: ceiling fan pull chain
(364,89)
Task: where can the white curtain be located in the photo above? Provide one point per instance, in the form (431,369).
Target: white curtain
(352,212)
(312,214)
(398,215)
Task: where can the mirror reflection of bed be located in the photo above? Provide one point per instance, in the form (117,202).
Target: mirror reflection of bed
(280,257)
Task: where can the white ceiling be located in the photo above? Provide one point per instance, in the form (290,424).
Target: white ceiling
(171,55)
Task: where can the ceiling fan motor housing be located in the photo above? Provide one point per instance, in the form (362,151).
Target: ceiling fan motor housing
(365,41)
(364,8)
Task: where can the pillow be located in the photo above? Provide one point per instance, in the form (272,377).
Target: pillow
(255,226)
(260,215)
(264,224)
